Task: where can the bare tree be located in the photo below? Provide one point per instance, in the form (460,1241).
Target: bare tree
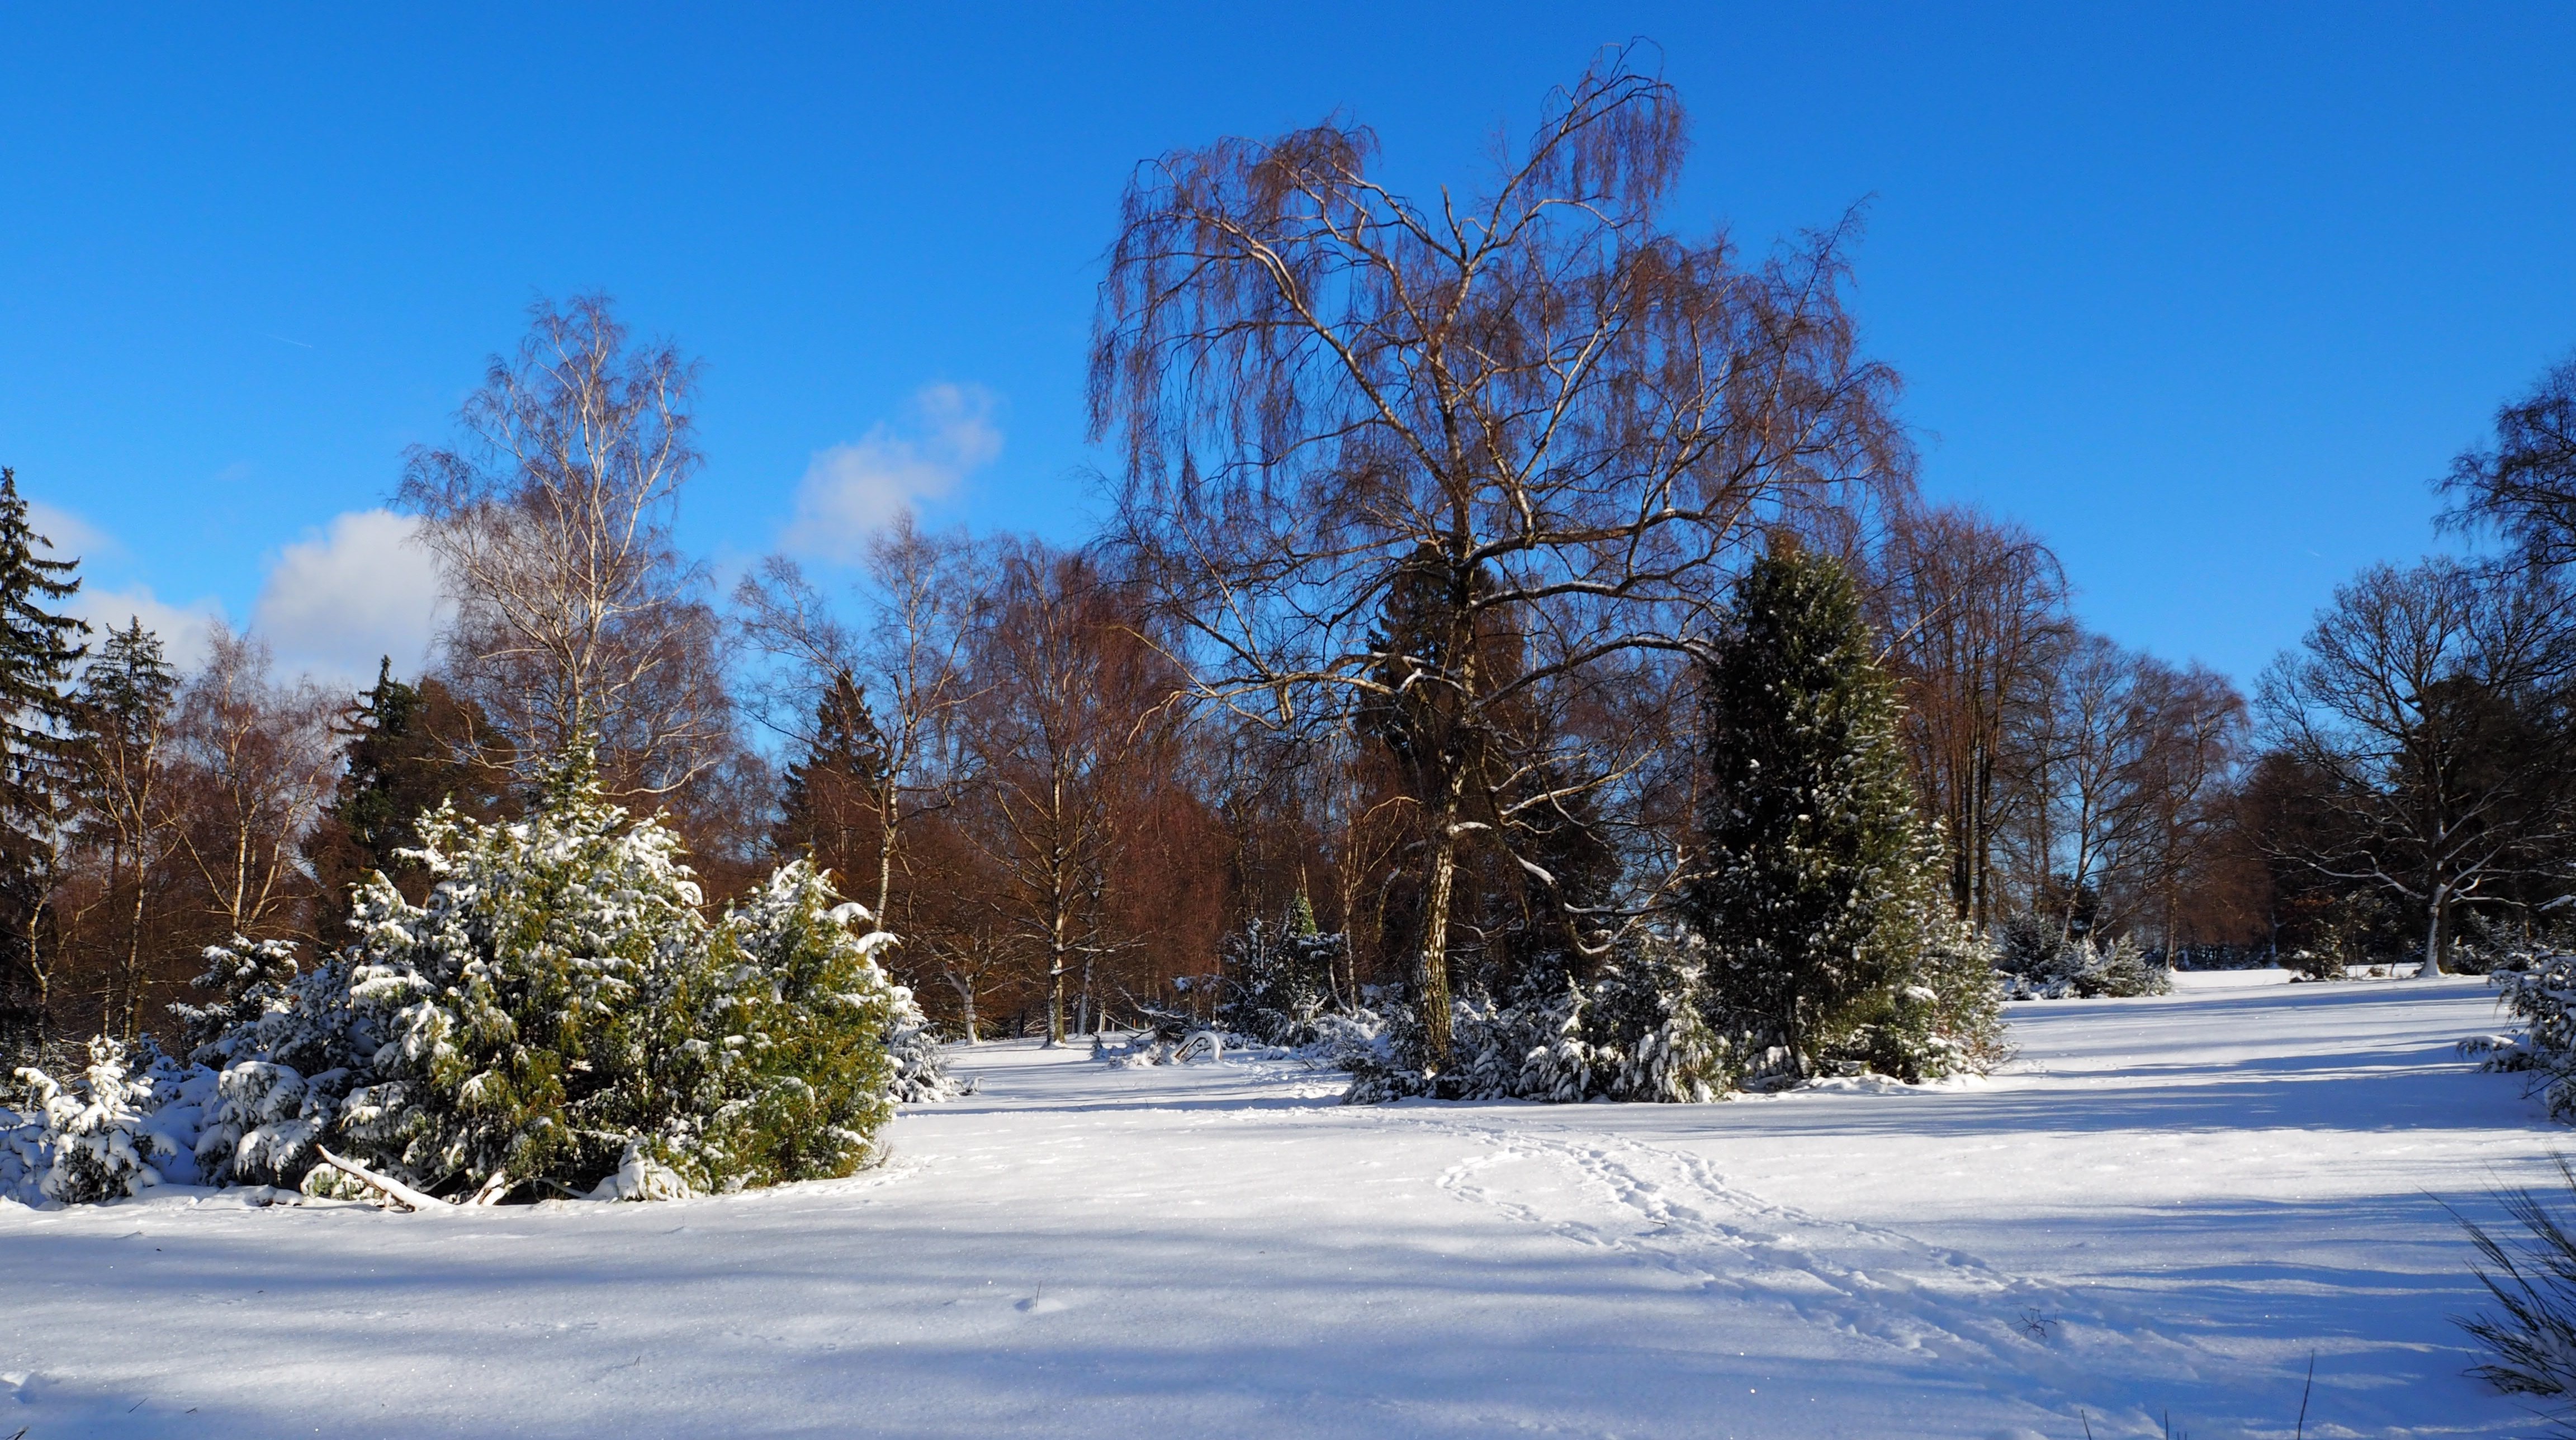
(253,763)
(2421,705)
(2189,774)
(576,616)
(121,724)
(920,590)
(1553,420)
(1974,612)
(2524,484)
(2119,766)
(1068,697)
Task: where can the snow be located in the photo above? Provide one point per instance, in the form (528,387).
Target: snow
(2163,1204)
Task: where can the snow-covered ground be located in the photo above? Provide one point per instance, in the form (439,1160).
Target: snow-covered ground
(2162,1205)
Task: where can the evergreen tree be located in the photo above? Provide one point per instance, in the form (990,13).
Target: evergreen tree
(38,648)
(831,802)
(1278,978)
(409,750)
(1816,880)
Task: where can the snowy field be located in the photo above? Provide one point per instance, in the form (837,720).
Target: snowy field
(2161,1205)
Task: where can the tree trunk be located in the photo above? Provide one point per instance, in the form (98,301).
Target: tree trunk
(134,956)
(1435,949)
(2433,928)
(887,798)
(1055,978)
(965,989)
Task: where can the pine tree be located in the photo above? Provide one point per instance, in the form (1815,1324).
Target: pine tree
(409,750)
(1815,886)
(832,802)
(38,648)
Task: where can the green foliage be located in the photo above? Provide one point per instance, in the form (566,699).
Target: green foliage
(37,652)
(828,797)
(1818,886)
(1278,977)
(559,1006)
(1636,1033)
(804,1015)
(410,749)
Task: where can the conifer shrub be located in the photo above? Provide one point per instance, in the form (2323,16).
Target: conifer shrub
(1277,978)
(2531,1343)
(2542,994)
(90,1139)
(557,1017)
(2040,961)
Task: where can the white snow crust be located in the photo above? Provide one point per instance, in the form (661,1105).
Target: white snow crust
(2163,1205)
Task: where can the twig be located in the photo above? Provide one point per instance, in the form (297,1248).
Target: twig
(2302,1433)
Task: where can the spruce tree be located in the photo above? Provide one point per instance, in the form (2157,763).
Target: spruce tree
(831,801)
(38,648)
(409,749)
(1814,886)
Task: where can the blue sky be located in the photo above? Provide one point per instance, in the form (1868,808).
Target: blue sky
(2204,299)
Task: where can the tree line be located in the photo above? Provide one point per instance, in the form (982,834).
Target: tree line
(1427,538)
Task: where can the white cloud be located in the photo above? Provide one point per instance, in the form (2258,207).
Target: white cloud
(183,628)
(71,537)
(358,589)
(852,491)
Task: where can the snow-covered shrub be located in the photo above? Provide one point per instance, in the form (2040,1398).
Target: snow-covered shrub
(556,1015)
(2039,961)
(920,1063)
(292,1047)
(527,1006)
(1634,1033)
(2543,995)
(90,1138)
(1637,1033)
(2314,965)
(1277,978)
(1946,1020)
(558,999)
(792,1059)
(2532,1345)
(558,1002)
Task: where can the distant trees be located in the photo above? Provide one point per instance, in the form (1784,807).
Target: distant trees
(2425,715)
(1974,619)
(1533,422)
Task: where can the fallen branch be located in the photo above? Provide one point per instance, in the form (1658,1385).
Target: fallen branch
(395,1190)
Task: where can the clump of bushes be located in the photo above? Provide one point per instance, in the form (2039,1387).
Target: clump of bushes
(557,1017)
(2038,960)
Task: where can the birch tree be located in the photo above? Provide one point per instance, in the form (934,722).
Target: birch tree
(576,615)
(1534,406)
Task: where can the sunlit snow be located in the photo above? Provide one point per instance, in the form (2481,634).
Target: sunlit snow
(2160,1205)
